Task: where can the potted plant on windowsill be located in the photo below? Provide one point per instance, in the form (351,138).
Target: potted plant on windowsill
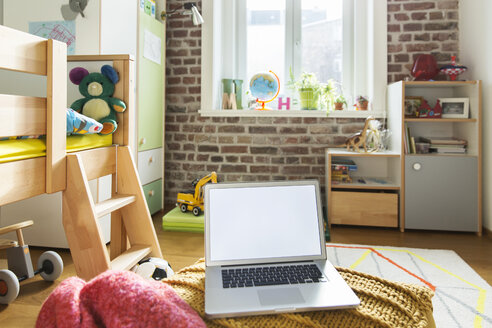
(309,90)
(339,102)
(327,92)
(361,103)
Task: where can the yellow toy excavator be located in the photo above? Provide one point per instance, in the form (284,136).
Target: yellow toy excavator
(192,200)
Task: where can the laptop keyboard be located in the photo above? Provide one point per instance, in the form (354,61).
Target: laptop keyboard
(272,275)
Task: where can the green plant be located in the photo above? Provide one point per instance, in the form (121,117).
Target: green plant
(361,103)
(328,95)
(361,99)
(341,99)
(309,86)
(306,81)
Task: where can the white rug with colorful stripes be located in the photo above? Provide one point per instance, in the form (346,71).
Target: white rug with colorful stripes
(462,298)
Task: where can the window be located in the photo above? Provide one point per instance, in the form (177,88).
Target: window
(343,40)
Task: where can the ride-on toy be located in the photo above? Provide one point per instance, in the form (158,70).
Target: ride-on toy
(50,264)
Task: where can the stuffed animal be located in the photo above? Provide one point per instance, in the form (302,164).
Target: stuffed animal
(97,89)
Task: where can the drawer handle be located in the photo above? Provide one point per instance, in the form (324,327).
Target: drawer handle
(151,193)
(151,159)
(417,166)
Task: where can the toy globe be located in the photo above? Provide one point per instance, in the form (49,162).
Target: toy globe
(264,86)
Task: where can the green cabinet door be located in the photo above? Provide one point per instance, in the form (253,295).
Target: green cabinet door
(153,195)
(150,84)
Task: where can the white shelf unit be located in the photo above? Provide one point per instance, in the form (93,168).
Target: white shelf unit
(373,202)
(440,191)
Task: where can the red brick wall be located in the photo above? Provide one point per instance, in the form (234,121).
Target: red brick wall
(258,149)
(420,27)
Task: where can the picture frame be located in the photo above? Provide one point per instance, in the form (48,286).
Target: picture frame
(412,104)
(455,107)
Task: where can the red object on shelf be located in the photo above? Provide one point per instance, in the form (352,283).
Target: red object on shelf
(437,110)
(424,68)
(424,109)
(453,70)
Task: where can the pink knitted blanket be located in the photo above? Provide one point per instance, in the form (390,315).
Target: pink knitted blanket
(116,299)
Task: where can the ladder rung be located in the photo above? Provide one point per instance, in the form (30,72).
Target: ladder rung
(113,204)
(130,257)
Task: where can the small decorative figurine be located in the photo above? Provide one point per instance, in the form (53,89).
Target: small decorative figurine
(359,139)
(453,70)
(282,103)
(424,109)
(436,111)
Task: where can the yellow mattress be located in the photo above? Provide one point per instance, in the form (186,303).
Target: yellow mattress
(14,150)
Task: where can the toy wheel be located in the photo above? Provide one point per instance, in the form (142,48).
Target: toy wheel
(51,264)
(196,211)
(183,208)
(9,286)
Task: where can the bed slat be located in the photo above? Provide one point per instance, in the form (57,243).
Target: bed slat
(22,52)
(30,172)
(22,116)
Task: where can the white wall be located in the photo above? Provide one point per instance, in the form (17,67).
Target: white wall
(119,27)
(18,14)
(475,52)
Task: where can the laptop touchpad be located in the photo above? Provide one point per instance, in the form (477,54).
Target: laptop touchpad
(280,296)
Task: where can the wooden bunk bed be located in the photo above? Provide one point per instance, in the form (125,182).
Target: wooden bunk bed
(132,232)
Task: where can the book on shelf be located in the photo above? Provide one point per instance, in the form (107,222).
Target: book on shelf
(341,164)
(409,142)
(413,148)
(446,146)
(444,140)
(449,150)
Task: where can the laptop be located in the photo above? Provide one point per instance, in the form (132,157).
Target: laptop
(265,251)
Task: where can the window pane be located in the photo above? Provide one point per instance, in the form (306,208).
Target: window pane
(322,38)
(266,37)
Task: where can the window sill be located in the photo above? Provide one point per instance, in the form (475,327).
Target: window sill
(290,113)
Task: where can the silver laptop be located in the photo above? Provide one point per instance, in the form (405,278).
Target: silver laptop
(265,251)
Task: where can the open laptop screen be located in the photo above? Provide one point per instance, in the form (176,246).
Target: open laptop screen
(263,222)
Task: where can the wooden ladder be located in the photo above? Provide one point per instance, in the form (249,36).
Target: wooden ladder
(81,215)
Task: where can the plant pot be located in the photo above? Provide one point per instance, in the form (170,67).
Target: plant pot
(362,105)
(338,106)
(308,99)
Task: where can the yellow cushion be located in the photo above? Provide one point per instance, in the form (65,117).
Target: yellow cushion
(13,150)
(383,304)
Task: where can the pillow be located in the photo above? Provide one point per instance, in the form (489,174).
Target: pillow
(116,299)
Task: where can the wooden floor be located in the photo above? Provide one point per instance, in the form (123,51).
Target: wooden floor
(182,249)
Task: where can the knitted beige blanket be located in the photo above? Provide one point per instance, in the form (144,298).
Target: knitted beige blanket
(383,304)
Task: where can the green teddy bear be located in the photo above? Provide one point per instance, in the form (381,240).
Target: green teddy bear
(97,89)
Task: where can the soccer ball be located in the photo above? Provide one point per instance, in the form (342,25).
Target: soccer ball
(153,268)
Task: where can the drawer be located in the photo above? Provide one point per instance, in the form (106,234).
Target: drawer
(150,165)
(153,195)
(364,208)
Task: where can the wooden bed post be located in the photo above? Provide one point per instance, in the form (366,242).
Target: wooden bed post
(124,136)
(56,169)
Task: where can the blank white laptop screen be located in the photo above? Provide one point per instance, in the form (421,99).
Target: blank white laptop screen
(263,222)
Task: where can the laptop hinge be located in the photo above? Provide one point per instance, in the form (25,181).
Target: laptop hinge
(264,263)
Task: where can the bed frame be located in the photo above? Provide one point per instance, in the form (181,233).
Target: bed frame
(132,232)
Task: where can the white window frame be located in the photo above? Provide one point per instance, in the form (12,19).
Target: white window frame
(364,53)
